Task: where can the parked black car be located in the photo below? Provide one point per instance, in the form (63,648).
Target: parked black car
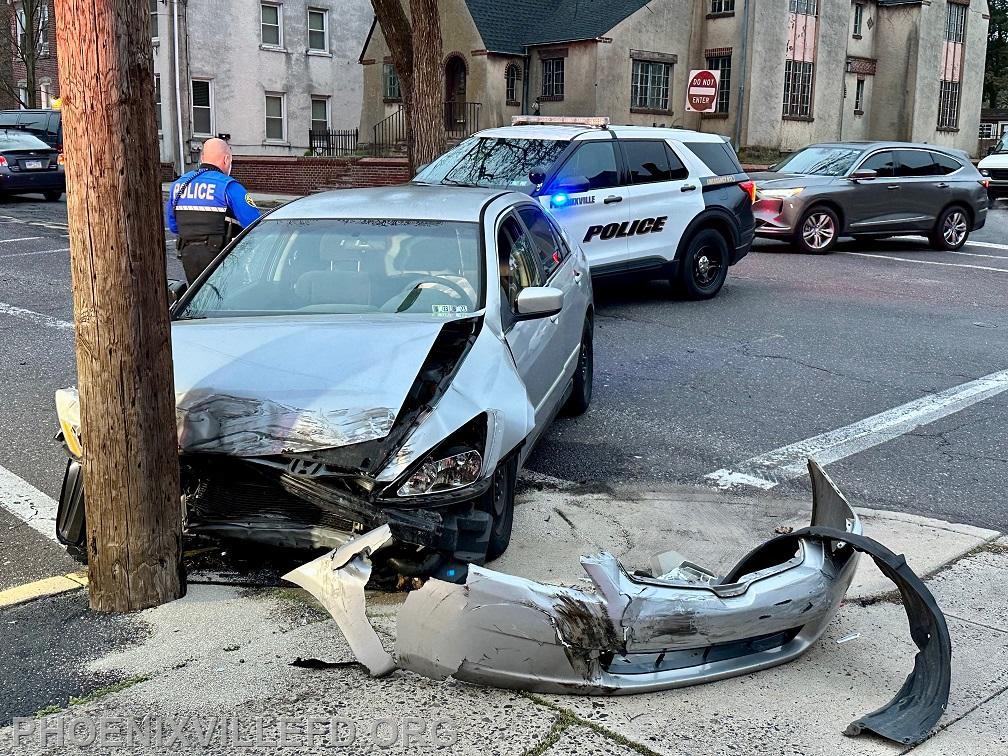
(29,165)
(870,190)
(45,124)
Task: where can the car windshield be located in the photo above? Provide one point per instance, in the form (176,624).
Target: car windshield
(1002,145)
(819,161)
(341,267)
(19,140)
(493,162)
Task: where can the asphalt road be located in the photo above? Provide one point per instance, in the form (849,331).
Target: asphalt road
(793,347)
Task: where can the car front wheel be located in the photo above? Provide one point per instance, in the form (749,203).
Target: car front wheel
(499,502)
(952,229)
(704,266)
(817,231)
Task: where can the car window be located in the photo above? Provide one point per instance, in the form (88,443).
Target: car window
(916,163)
(493,162)
(946,163)
(883,163)
(11,139)
(547,243)
(8,118)
(649,162)
(819,161)
(516,257)
(346,266)
(35,121)
(718,156)
(594,161)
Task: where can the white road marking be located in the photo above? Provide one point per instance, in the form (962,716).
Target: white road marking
(978,254)
(989,245)
(788,462)
(23,238)
(27,503)
(926,262)
(38,252)
(35,317)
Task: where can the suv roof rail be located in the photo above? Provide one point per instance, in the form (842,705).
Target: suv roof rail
(592,122)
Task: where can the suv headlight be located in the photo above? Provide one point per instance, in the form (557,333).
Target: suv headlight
(779,193)
(445,474)
(68,414)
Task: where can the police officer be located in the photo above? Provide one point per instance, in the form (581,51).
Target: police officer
(207,208)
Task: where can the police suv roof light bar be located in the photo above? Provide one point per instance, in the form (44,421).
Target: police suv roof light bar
(592,122)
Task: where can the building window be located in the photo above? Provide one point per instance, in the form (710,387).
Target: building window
(276,121)
(22,97)
(948,105)
(511,76)
(987,131)
(806,7)
(859,96)
(553,78)
(154,19)
(320,114)
(157,101)
(271,16)
(798,89)
(318,30)
(858,19)
(955,23)
(201,92)
(45,96)
(649,87)
(393,93)
(722,6)
(722,64)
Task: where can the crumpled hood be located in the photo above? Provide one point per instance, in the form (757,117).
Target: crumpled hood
(262,386)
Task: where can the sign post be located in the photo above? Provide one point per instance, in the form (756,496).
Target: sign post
(701,93)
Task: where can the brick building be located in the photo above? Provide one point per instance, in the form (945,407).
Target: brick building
(12,69)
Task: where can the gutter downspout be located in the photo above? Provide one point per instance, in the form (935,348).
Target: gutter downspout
(178,90)
(744,45)
(527,59)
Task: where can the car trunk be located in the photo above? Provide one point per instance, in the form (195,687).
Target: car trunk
(31,160)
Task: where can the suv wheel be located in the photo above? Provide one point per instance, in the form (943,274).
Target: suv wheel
(704,266)
(52,196)
(581,392)
(817,231)
(952,229)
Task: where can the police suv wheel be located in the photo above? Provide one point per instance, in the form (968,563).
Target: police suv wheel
(704,266)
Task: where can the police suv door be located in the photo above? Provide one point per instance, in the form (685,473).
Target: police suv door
(585,196)
(663,198)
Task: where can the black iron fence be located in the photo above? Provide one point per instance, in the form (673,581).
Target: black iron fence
(461,119)
(333,142)
(389,133)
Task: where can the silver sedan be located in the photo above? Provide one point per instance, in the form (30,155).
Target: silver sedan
(382,356)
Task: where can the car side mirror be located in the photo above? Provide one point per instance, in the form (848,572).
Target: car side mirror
(539,302)
(536,177)
(176,289)
(572,185)
(864,174)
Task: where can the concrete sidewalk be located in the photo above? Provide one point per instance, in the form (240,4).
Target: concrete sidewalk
(226,652)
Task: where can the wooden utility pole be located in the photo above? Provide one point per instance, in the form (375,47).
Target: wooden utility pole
(117,258)
(428,83)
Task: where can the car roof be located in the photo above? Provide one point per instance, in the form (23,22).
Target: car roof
(566,133)
(879,145)
(404,202)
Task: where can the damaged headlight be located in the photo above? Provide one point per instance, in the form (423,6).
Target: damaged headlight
(447,474)
(68,414)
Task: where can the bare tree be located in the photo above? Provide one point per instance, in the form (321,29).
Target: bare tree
(416,54)
(25,32)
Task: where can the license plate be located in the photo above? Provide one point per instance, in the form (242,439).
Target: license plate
(33,165)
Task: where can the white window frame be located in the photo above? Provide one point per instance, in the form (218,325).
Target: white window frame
(859,96)
(192,108)
(283,118)
(279,44)
(328,111)
(858,19)
(554,77)
(988,130)
(650,85)
(325,31)
(158,114)
(799,89)
(155,20)
(45,95)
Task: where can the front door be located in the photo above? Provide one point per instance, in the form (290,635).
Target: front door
(876,206)
(587,198)
(455,95)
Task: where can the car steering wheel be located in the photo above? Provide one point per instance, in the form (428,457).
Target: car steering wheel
(400,299)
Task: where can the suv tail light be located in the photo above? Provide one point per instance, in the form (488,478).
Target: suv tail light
(749,187)
(60,160)
(3,162)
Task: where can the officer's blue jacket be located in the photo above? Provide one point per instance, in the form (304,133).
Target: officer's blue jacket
(209,190)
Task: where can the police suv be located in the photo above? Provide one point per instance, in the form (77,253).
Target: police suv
(669,203)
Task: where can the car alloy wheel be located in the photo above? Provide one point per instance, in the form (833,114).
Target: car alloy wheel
(955,228)
(706,266)
(818,231)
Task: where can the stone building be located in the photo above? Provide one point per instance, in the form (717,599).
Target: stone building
(792,71)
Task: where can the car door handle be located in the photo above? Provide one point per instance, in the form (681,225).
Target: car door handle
(943,185)
(892,188)
(613,198)
(688,188)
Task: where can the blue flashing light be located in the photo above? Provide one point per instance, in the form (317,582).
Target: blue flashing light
(559,200)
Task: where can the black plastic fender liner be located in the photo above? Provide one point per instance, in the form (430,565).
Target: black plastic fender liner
(914,711)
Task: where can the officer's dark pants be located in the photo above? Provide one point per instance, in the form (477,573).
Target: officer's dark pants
(195,257)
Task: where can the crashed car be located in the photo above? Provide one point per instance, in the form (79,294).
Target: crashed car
(674,625)
(361,358)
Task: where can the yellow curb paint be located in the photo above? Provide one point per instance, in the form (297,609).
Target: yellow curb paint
(40,588)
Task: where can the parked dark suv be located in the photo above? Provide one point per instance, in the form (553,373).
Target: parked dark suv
(45,124)
(870,190)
